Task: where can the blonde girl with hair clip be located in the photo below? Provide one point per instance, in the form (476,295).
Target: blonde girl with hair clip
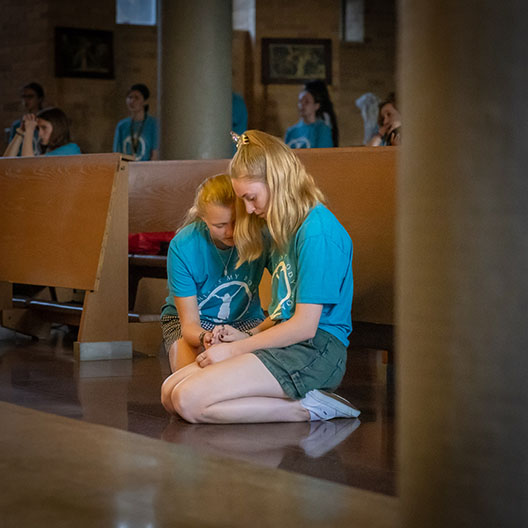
(206,288)
(285,370)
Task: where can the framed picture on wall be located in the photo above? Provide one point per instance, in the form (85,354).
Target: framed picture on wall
(295,61)
(84,53)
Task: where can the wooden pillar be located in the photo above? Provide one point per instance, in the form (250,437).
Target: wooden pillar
(462,280)
(195,79)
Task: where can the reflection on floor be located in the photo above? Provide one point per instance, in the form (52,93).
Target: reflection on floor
(124,394)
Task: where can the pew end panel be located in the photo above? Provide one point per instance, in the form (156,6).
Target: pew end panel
(64,224)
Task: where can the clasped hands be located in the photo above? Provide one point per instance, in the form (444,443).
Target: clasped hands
(391,132)
(29,123)
(219,345)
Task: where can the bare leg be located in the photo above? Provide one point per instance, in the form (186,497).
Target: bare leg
(171,382)
(238,390)
(182,354)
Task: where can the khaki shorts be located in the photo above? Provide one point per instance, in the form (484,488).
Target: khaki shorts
(317,363)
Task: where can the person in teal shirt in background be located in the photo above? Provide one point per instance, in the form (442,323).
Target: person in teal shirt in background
(137,135)
(310,131)
(53,132)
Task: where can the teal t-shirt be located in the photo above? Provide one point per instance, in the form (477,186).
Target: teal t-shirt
(70,149)
(316,268)
(147,136)
(313,135)
(195,266)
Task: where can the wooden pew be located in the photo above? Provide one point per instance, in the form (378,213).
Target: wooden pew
(63,223)
(359,184)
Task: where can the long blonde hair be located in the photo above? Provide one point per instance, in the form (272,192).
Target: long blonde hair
(215,190)
(292,192)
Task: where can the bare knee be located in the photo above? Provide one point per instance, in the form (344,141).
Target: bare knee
(166,390)
(187,403)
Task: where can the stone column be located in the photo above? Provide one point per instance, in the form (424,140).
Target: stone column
(462,248)
(195,79)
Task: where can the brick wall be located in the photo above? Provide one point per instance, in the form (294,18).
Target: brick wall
(23,53)
(94,105)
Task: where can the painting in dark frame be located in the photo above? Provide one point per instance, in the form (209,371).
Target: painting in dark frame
(84,53)
(295,61)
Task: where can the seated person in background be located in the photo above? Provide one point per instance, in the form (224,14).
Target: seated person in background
(279,373)
(53,133)
(137,135)
(32,98)
(206,288)
(389,122)
(326,107)
(310,131)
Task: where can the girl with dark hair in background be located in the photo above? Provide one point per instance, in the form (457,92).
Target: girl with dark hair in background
(310,131)
(53,133)
(319,92)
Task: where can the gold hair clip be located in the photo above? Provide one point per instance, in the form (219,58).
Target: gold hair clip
(239,140)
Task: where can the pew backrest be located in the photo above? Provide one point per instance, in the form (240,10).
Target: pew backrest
(360,185)
(161,192)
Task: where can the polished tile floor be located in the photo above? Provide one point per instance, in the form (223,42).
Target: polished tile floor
(124,394)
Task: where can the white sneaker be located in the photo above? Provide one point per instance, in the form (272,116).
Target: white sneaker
(324,405)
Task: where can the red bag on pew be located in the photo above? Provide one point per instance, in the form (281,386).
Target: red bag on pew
(148,243)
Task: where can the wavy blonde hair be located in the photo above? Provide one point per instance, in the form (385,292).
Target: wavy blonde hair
(215,190)
(292,192)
